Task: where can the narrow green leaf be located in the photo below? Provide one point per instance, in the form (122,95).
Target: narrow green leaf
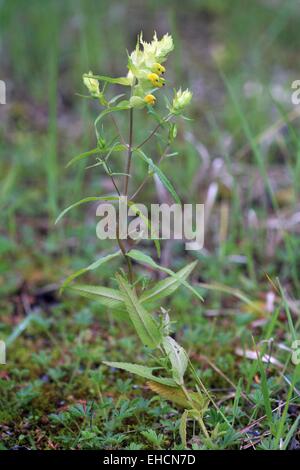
(119,80)
(165,181)
(168,285)
(91,267)
(83,201)
(182,427)
(109,110)
(142,371)
(105,295)
(145,325)
(81,156)
(147,260)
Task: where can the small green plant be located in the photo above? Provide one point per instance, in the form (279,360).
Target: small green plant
(141,304)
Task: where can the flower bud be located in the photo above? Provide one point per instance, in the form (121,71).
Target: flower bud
(150,99)
(92,84)
(181,100)
(136,102)
(154,78)
(158,68)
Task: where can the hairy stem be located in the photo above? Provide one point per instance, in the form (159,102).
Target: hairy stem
(128,260)
(198,417)
(126,182)
(129,155)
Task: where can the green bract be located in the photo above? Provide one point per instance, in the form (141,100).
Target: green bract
(92,84)
(181,100)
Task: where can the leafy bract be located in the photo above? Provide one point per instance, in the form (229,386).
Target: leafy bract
(119,80)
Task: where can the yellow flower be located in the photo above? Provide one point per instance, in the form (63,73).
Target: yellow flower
(149,59)
(150,99)
(155,79)
(92,84)
(158,68)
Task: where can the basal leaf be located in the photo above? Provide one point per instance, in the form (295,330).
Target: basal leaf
(142,371)
(176,395)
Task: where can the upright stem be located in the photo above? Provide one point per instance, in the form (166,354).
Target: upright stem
(198,415)
(126,181)
(129,155)
(128,260)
